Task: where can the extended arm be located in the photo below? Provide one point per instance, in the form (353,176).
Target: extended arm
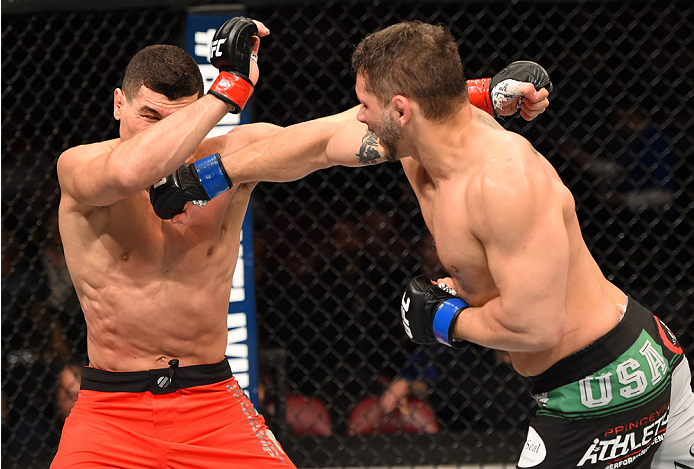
(341,140)
(522,87)
(303,148)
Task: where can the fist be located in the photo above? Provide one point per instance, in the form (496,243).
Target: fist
(509,92)
(524,70)
(232,46)
(429,311)
(234,51)
(170,195)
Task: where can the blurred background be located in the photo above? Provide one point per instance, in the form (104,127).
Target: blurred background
(340,383)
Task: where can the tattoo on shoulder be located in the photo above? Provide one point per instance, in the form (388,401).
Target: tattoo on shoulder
(537,153)
(368,152)
(488,120)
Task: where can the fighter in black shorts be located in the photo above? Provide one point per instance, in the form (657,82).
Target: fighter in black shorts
(610,404)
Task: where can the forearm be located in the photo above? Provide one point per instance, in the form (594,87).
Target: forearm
(158,151)
(299,150)
(236,139)
(489,326)
(286,156)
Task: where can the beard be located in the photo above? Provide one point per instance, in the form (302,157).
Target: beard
(389,134)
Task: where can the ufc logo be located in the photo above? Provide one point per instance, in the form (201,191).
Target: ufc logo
(404,308)
(215,47)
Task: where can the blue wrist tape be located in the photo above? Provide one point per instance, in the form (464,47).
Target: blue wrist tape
(445,314)
(212,175)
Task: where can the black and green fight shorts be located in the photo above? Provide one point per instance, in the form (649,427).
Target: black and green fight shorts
(608,405)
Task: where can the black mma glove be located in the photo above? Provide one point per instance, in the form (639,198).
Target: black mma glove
(197,183)
(429,312)
(501,87)
(230,53)
(489,94)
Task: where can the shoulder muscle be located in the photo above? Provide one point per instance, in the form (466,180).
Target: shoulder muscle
(509,194)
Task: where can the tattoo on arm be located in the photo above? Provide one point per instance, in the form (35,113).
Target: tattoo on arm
(368,152)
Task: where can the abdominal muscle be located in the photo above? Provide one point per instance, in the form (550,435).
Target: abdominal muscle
(154,292)
(135,329)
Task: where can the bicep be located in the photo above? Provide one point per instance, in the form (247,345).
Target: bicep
(354,145)
(529,259)
(525,239)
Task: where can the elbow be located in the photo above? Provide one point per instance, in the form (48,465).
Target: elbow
(128,180)
(129,172)
(545,337)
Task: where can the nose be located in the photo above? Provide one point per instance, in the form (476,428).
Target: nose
(360,115)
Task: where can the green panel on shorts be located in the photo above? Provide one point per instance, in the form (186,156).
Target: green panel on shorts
(600,397)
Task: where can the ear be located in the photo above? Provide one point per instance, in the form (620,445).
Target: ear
(118,103)
(403,108)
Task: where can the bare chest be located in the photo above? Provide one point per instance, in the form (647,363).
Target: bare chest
(172,247)
(129,240)
(460,252)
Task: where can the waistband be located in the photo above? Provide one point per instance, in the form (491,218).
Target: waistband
(157,381)
(598,354)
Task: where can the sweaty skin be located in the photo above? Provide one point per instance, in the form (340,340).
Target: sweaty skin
(152,290)
(506,230)
(504,225)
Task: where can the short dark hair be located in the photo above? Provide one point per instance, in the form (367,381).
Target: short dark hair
(415,59)
(164,69)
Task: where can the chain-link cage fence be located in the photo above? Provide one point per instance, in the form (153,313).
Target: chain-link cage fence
(334,250)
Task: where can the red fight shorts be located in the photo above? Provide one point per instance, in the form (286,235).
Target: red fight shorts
(193,417)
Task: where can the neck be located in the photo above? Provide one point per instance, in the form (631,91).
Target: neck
(439,146)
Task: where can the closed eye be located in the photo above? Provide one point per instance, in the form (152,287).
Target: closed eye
(150,114)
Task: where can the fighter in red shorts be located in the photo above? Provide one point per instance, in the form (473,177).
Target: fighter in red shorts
(159,391)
